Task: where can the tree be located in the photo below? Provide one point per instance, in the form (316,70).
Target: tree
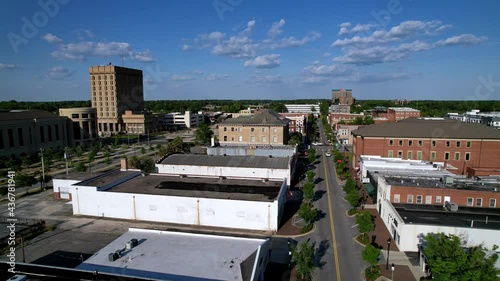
(307,212)
(177,145)
(146,165)
(308,191)
(80,167)
(364,222)
(303,257)
(312,155)
(324,108)
(134,162)
(116,141)
(295,138)
(349,185)
(78,151)
(370,254)
(143,150)
(25,180)
(310,175)
(353,198)
(203,134)
(448,259)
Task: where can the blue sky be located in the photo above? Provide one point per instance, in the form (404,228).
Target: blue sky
(250,49)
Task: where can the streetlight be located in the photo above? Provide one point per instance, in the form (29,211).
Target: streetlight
(392,273)
(43,169)
(388,251)
(66,158)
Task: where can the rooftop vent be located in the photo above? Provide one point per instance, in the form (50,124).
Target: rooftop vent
(450,206)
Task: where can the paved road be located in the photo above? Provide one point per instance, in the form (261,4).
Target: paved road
(338,256)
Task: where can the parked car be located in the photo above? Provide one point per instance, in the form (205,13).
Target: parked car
(328,154)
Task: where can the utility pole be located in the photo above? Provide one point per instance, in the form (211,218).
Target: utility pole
(43,170)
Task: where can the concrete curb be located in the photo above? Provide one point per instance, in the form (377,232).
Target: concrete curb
(298,235)
(359,243)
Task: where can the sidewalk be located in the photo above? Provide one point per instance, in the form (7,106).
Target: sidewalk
(401,260)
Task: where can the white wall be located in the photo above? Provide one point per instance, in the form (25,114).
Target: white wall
(229,172)
(182,210)
(62,183)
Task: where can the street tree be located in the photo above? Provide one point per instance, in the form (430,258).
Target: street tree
(365,223)
(310,175)
(303,257)
(308,191)
(353,198)
(295,138)
(146,165)
(203,134)
(177,145)
(24,180)
(324,108)
(349,185)
(370,254)
(308,213)
(134,162)
(312,155)
(78,151)
(449,259)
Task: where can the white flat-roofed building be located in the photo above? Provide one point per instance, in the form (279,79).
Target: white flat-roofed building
(187,119)
(179,256)
(303,108)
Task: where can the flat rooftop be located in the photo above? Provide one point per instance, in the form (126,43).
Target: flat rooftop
(79,176)
(437,215)
(261,162)
(429,182)
(110,177)
(233,189)
(178,256)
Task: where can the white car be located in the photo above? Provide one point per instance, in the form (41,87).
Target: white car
(328,154)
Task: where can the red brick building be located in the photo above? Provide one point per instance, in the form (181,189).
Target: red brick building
(297,122)
(434,192)
(335,118)
(395,114)
(460,145)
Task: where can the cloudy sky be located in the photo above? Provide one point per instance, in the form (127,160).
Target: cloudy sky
(254,49)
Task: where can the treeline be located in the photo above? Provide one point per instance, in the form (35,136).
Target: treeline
(432,108)
(52,106)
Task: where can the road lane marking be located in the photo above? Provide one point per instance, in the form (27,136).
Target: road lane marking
(335,253)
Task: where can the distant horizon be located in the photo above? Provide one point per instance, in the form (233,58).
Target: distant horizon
(319,99)
(242,50)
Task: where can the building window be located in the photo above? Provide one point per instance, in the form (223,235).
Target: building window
(458,144)
(391,142)
(11,137)
(409,155)
(252,139)
(400,154)
(419,155)
(232,129)
(409,199)
(457,155)
(479,202)
(469,144)
(275,139)
(433,155)
(263,130)
(446,156)
(467,156)
(493,202)
(419,143)
(1,140)
(240,129)
(225,138)
(74,115)
(470,202)
(264,139)
(42,135)
(438,199)
(447,143)
(433,143)
(225,129)
(410,143)
(396,198)
(428,199)
(400,142)
(389,154)
(20,136)
(252,129)
(419,199)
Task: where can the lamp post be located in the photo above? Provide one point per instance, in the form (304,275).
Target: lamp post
(66,158)
(43,169)
(392,273)
(388,251)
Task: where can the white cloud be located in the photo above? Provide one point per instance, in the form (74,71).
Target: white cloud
(4,66)
(197,72)
(316,62)
(265,79)
(84,49)
(327,54)
(187,47)
(462,40)
(328,70)
(293,42)
(250,27)
(51,38)
(265,61)
(313,79)
(216,77)
(58,73)
(237,47)
(344,28)
(177,77)
(276,28)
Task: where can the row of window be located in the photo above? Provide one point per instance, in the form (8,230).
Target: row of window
(409,155)
(252,139)
(458,144)
(112,88)
(83,115)
(438,200)
(240,129)
(104,76)
(20,136)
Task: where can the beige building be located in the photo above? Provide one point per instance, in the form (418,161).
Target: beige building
(266,128)
(29,131)
(113,90)
(342,96)
(139,122)
(84,125)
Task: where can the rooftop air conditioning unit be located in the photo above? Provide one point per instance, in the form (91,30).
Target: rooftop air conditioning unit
(447,180)
(113,256)
(450,206)
(128,245)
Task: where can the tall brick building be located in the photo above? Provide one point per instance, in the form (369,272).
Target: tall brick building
(342,96)
(460,145)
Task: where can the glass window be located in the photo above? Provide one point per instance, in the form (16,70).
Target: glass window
(470,202)
(446,156)
(447,143)
(419,155)
(400,142)
(275,139)
(469,144)
(410,143)
(400,154)
(225,129)
(433,143)
(264,139)
(252,129)
(438,199)
(389,154)
(457,155)
(225,138)
(409,199)
(74,115)
(428,199)
(252,139)
(419,143)
(409,155)
(458,144)
(232,129)
(433,155)
(467,156)
(493,202)
(419,199)
(396,198)
(391,142)
(479,202)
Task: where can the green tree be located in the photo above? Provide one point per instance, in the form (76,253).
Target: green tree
(177,145)
(303,257)
(368,120)
(134,162)
(310,175)
(308,191)
(25,180)
(80,167)
(353,197)
(365,223)
(324,108)
(312,155)
(146,165)
(78,151)
(203,134)
(143,150)
(349,185)
(307,212)
(449,260)
(295,138)
(370,254)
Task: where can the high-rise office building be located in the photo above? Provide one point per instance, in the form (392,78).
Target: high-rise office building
(113,90)
(342,96)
